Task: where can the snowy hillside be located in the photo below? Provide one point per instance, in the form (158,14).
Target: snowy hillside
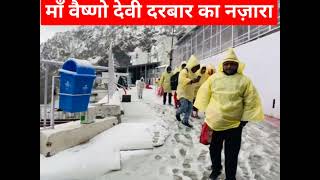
(92,42)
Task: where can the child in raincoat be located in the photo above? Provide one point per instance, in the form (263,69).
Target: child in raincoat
(140,84)
(185,91)
(229,100)
(165,84)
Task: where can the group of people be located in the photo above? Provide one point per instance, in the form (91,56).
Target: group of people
(226,96)
(184,82)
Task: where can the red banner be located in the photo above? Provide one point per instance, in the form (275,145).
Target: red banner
(160,12)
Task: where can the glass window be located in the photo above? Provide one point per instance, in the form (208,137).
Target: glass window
(194,43)
(199,51)
(240,34)
(207,32)
(199,37)
(214,30)
(206,48)
(226,36)
(254,31)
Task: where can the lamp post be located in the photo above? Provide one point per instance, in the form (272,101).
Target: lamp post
(171,51)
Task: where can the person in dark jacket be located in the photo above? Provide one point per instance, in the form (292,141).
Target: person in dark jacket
(174,82)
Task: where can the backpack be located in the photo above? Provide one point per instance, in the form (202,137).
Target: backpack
(174,81)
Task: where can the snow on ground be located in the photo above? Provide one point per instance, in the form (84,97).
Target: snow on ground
(98,156)
(179,156)
(182,157)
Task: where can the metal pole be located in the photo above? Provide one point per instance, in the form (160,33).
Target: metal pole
(108,94)
(202,43)
(52,102)
(232,36)
(248,33)
(171,46)
(45,95)
(145,72)
(220,39)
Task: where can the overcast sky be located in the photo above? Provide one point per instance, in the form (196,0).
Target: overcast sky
(46,32)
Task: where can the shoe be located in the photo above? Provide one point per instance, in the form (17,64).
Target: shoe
(214,175)
(178,117)
(187,124)
(170,105)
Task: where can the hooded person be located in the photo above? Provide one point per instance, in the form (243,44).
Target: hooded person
(140,84)
(182,65)
(166,84)
(174,82)
(229,100)
(210,70)
(202,72)
(185,91)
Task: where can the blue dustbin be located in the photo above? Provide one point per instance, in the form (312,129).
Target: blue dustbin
(76,81)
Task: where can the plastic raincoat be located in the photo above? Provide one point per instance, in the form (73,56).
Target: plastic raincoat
(227,100)
(140,84)
(209,68)
(165,81)
(203,78)
(184,89)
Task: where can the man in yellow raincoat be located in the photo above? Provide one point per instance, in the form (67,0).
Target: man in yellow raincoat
(185,91)
(229,100)
(165,84)
(202,72)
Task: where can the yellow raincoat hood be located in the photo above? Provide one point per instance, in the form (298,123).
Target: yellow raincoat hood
(203,78)
(183,62)
(231,56)
(192,62)
(199,70)
(179,68)
(226,100)
(184,89)
(209,67)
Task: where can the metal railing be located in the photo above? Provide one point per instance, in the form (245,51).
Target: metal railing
(47,64)
(62,115)
(53,114)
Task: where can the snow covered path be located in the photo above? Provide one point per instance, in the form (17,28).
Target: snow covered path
(182,157)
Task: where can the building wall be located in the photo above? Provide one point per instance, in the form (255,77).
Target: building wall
(262,59)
